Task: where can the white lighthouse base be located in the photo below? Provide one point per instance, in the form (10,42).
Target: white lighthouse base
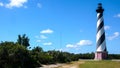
(101,55)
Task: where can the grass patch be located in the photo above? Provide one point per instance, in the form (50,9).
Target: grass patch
(100,64)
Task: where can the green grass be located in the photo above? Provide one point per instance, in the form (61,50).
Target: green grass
(100,64)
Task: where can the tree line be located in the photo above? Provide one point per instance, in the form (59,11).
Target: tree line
(17,55)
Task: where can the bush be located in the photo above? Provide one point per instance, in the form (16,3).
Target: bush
(13,55)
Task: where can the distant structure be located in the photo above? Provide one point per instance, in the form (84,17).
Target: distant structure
(101,51)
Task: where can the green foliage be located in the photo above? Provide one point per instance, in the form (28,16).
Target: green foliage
(23,40)
(100,64)
(114,56)
(40,56)
(13,55)
(86,56)
(37,49)
(62,57)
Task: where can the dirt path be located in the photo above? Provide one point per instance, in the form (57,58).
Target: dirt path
(51,66)
(71,65)
(67,65)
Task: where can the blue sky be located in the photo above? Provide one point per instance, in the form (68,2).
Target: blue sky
(66,25)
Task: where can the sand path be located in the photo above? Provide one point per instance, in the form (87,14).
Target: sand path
(67,65)
(71,65)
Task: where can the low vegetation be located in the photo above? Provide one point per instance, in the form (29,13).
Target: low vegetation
(100,64)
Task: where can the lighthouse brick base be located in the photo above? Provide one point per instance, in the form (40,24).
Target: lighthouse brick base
(101,55)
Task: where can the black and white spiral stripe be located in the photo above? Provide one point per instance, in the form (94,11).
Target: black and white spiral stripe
(100,37)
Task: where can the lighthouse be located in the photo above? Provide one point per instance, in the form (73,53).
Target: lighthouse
(101,50)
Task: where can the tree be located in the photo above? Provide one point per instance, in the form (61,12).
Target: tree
(13,55)
(23,40)
(37,49)
(40,56)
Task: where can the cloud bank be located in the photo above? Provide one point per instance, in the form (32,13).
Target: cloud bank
(80,43)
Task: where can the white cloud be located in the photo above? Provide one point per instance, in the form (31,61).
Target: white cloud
(80,43)
(114,36)
(39,5)
(107,27)
(1,4)
(14,3)
(39,38)
(47,31)
(84,42)
(43,37)
(117,15)
(70,46)
(48,43)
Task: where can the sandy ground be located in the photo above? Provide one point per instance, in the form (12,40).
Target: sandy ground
(67,65)
(72,65)
(51,66)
